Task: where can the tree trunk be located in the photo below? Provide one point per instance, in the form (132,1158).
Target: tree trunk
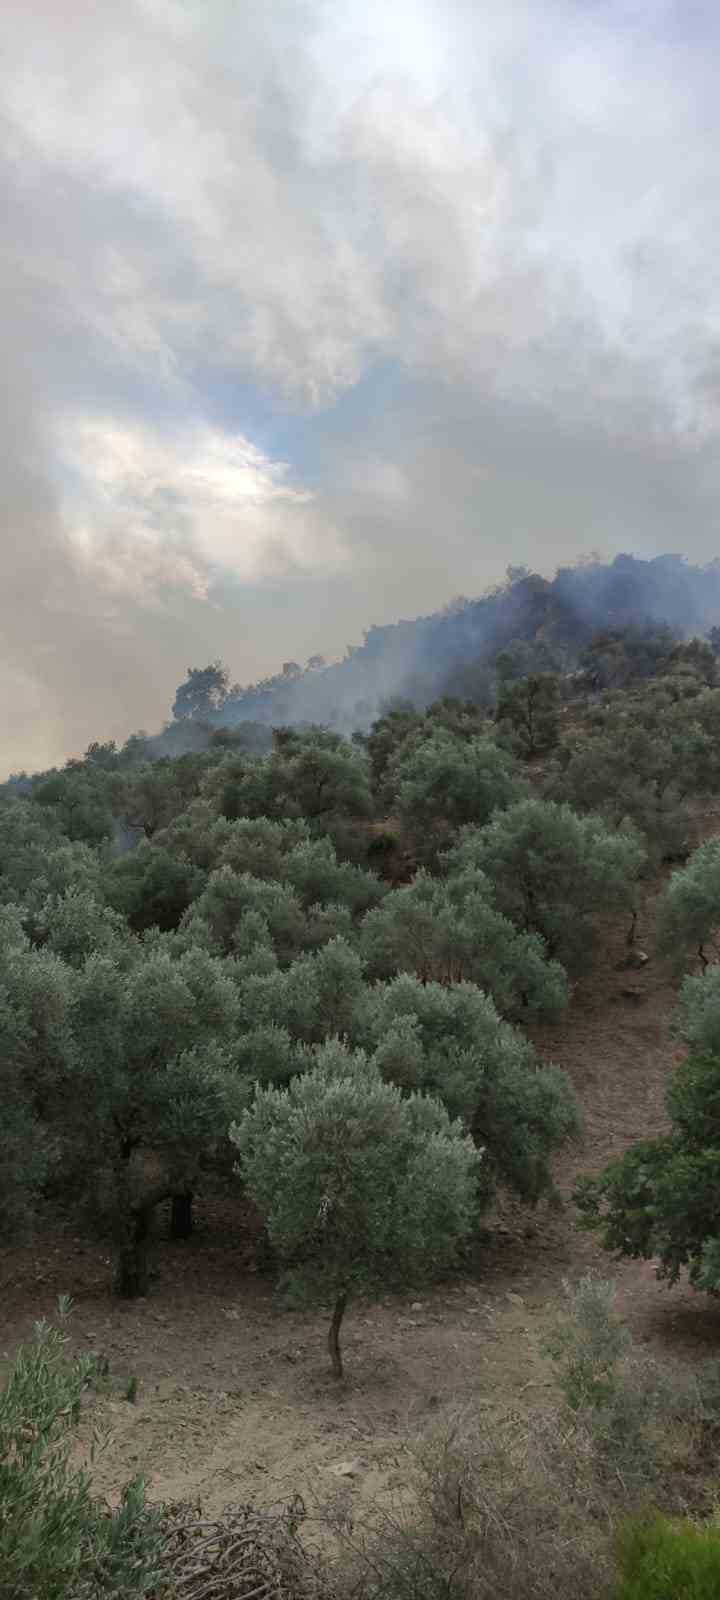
(181,1215)
(132,1275)
(334,1335)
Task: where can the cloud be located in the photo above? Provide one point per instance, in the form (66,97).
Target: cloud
(316,313)
(150,514)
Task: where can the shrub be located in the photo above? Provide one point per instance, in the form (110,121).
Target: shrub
(664,1560)
(500,1508)
(633,1411)
(662,1198)
(56,1540)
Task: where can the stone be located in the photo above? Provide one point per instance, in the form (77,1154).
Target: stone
(346,1469)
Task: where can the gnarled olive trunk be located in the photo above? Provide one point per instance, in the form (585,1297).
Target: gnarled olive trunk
(132,1273)
(334,1335)
(134,1220)
(181,1215)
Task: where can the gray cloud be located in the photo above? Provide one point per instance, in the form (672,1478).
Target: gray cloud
(460,259)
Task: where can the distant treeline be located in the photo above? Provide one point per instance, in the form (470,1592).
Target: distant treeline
(453,652)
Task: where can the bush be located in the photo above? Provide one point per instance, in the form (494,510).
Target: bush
(56,1541)
(663,1560)
(637,1415)
(499,1508)
(661,1199)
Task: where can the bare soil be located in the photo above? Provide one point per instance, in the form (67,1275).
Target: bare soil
(235,1401)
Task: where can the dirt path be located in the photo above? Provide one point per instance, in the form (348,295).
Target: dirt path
(235,1401)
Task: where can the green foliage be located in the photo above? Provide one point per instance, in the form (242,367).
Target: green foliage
(386,736)
(551,872)
(616,657)
(158,791)
(451,1043)
(697,1016)
(443,782)
(319,780)
(698,656)
(204,691)
(56,1540)
(662,1559)
(662,1198)
(314,998)
(151,888)
(35,1031)
(314,775)
(449,930)
(588,1343)
(27,834)
(76,924)
(314,872)
(640,758)
(528,712)
(149,1054)
(632,1410)
(229,898)
(23,1156)
(689,913)
(402,729)
(359,1185)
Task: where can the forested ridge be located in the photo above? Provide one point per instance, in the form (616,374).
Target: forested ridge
(453,651)
(297,963)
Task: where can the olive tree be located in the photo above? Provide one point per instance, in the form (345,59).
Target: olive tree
(552,871)
(697,1015)
(216,917)
(443,782)
(449,1041)
(528,711)
(661,1200)
(150,1060)
(317,996)
(689,917)
(449,930)
(360,1187)
(35,1039)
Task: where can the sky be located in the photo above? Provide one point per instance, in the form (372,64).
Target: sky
(319,313)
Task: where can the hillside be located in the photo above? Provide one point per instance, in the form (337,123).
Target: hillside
(356,1025)
(234,1400)
(452,652)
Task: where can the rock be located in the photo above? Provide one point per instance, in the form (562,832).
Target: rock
(346,1469)
(417,1305)
(633,961)
(515,1299)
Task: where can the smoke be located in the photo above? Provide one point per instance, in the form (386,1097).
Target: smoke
(316,315)
(454,651)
